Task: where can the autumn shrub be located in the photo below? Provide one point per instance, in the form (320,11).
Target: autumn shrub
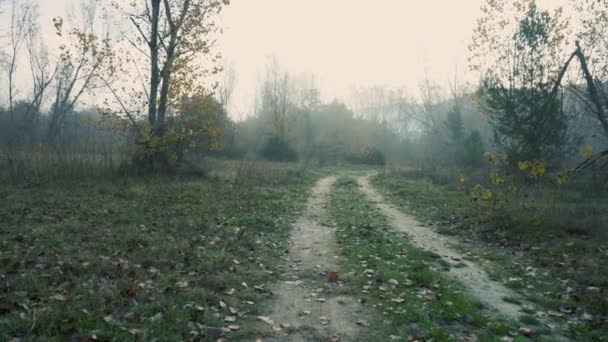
(198,126)
(527,191)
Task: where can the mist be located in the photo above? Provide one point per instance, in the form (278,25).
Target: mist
(282,170)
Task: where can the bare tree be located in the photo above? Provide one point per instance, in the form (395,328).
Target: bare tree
(23,15)
(226,87)
(41,72)
(276,97)
(83,60)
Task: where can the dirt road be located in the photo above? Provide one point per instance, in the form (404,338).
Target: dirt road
(308,306)
(471,275)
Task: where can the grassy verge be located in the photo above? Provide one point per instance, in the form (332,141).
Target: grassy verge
(404,285)
(140,259)
(552,264)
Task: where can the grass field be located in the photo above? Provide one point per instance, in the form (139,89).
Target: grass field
(410,297)
(142,259)
(561,264)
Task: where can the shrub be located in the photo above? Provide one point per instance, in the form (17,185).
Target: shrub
(373,156)
(277,149)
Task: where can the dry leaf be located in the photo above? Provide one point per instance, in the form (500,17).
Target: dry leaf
(527,332)
(363,323)
(266,320)
(59,297)
(333,276)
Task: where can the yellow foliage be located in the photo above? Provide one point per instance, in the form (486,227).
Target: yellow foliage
(536,221)
(492,159)
(562,179)
(538,168)
(487,194)
(523,165)
(461,178)
(587,151)
(497,180)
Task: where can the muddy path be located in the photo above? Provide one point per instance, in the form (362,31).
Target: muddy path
(471,275)
(307,305)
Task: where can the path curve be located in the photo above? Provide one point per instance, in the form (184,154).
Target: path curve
(471,275)
(307,306)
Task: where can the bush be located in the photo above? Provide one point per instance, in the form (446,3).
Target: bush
(373,156)
(277,149)
(369,156)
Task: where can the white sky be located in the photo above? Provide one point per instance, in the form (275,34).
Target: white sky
(345,43)
(349,43)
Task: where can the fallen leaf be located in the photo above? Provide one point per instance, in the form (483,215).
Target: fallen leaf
(156,317)
(324,320)
(363,323)
(527,332)
(135,331)
(59,297)
(333,276)
(266,320)
(6,305)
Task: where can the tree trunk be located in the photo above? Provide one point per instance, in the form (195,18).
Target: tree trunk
(594,94)
(155,71)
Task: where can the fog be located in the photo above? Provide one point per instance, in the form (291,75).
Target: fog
(290,170)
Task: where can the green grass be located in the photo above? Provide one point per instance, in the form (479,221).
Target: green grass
(140,258)
(422,304)
(552,264)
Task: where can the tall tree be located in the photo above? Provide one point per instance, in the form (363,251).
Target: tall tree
(518,48)
(276,98)
(170,56)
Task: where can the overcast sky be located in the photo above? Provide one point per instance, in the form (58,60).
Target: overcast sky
(345,43)
(349,43)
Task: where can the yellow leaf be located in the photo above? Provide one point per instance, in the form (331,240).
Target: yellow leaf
(523,165)
(487,194)
(491,158)
(586,151)
(461,178)
(538,168)
(536,221)
(496,179)
(562,179)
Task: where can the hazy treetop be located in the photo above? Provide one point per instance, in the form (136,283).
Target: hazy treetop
(345,43)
